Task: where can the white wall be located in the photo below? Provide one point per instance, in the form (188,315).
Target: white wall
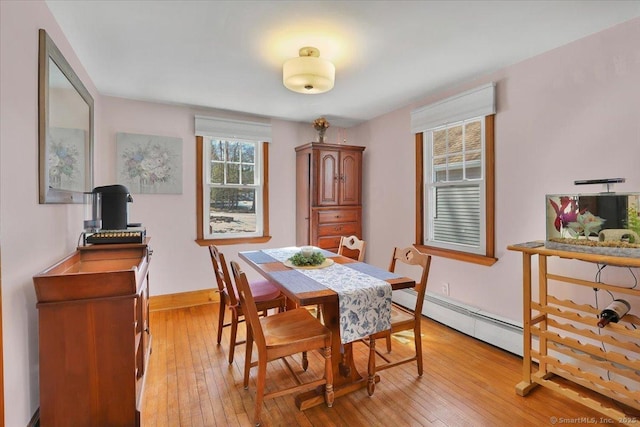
(571,113)
(33,236)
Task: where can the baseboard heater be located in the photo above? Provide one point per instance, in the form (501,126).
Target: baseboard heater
(485,326)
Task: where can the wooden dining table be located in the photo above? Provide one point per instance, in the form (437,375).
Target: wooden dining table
(345,374)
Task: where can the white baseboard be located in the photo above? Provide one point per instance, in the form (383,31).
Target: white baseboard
(472,321)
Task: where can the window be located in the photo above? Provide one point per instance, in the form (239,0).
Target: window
(454,186)
(232,185)
(455,177)
(233,190)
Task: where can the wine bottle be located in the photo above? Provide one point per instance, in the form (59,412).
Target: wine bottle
(613,312)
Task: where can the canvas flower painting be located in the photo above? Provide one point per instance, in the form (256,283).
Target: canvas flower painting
(149,164)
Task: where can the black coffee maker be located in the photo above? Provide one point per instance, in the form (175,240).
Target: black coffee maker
(115,212)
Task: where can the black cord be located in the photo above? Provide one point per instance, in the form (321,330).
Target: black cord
(635,279)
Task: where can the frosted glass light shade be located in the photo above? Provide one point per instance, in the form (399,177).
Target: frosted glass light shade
(308,73)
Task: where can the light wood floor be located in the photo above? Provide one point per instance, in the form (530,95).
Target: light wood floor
(466,383)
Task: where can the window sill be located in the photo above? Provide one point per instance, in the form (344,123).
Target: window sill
(237,241)
(460,256)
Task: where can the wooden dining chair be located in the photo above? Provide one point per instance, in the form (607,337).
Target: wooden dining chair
(280,335)
(402,319)
(266,295)
(350,245)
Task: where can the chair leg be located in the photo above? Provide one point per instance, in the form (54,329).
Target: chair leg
(389,343)
(418,343)
(247,357)
(328,372)
(223,308)
(371,370)
(305,361)
(260,381)
(232,339)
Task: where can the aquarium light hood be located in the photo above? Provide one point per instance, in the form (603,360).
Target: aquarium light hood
(607,181)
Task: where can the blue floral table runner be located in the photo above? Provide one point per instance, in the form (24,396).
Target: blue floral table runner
(363,294)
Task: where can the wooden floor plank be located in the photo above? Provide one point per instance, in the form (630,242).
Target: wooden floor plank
(173,411)
(465,383)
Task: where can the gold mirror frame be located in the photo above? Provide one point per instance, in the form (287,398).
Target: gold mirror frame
(65,128)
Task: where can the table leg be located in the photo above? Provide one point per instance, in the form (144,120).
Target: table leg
(346,377)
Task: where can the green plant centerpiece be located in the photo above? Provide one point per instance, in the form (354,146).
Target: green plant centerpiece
(299,260)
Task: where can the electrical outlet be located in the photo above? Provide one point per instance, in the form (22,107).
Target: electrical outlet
(445,289)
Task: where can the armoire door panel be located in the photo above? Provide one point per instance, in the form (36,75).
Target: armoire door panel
(350,178)
(329,178)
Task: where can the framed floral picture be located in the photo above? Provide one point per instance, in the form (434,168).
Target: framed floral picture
(149,164)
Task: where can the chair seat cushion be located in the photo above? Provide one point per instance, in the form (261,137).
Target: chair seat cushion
(263,290)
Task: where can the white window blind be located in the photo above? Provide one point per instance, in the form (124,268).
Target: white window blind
(472,103)
(232,129)
(457,215)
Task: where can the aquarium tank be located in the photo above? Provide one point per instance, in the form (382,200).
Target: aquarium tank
(602,220)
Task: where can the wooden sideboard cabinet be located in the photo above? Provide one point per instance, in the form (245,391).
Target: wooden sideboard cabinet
(328,194)
(570,344)
(93,319)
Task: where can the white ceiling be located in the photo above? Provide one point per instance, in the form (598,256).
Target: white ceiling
(229,54)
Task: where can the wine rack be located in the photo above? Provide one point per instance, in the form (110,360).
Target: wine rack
(571,347)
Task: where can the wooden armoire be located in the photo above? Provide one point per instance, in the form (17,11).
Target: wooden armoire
(328,194)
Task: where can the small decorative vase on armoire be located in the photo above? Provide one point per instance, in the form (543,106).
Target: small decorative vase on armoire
(328,194)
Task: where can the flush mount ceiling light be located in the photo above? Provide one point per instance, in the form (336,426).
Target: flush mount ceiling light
(308,73)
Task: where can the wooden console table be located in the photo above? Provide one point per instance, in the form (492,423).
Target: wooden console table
(94,336)
(567,330)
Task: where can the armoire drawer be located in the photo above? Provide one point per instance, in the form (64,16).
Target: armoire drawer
(339,229)
(338,215)
(330,243)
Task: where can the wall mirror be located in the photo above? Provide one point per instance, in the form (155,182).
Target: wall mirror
(65,128)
